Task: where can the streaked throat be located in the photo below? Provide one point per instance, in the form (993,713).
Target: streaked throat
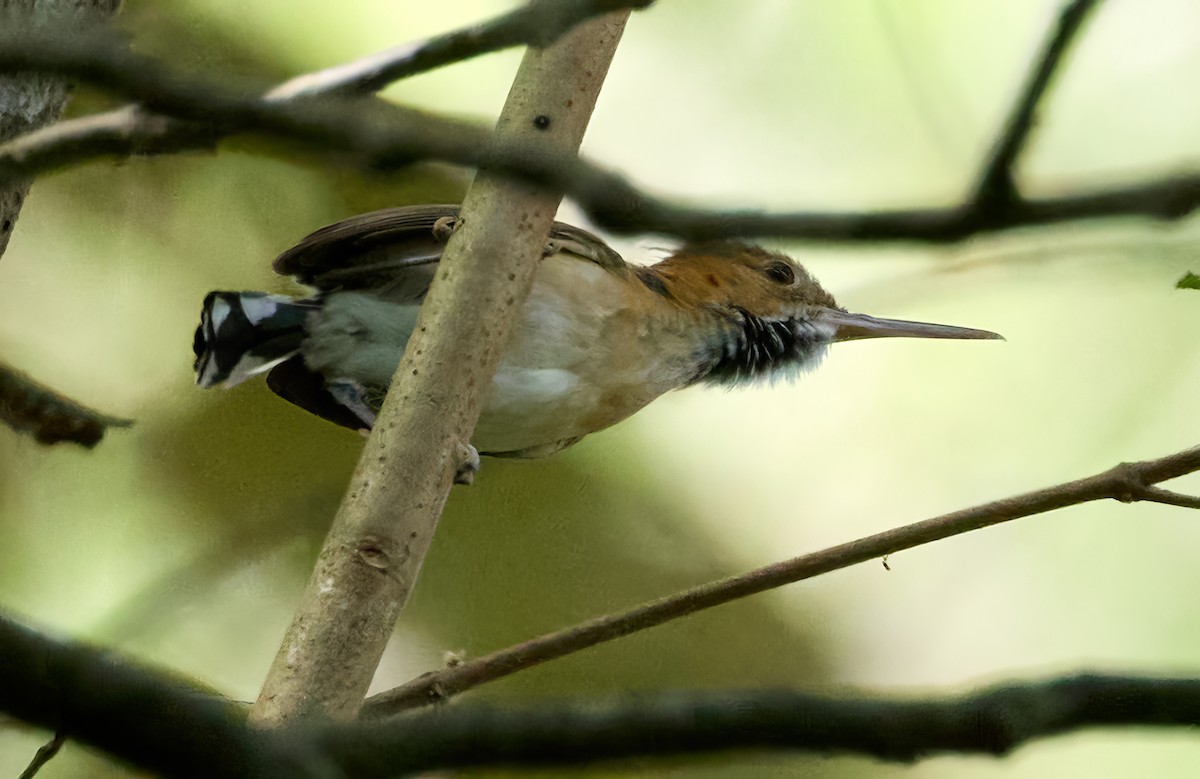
(743,348)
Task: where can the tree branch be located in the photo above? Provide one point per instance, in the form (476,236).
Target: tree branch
(132,130)
(992,722)
(29,407)
(420,442)
(29,101)
(46,752)
(147,717)
(161,723)
(1126,482)
(538,23)
(366,134)
(997,190)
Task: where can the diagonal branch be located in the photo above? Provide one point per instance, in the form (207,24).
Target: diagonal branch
(537,23)
(134,131)
(420,443)
(997,188)
(44,755)
(1125,482)
(29,407)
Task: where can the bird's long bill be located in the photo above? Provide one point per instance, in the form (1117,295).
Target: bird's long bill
(852,327)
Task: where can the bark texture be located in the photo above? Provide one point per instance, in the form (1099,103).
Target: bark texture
(386,522)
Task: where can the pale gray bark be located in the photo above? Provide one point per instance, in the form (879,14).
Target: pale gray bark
(374,550)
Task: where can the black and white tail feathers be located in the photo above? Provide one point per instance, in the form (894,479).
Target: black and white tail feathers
(244,333)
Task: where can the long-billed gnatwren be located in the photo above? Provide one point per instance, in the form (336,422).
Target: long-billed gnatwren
(599,338)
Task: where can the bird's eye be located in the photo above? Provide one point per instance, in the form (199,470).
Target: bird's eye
(781,272)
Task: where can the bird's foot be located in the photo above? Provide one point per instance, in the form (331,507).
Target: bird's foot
(468,464)
(352,396)
(445,227)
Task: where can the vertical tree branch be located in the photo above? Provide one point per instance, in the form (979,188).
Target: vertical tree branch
(385,524)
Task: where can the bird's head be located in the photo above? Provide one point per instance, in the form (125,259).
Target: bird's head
(782,316)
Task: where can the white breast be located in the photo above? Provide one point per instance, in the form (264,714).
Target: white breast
(540,395)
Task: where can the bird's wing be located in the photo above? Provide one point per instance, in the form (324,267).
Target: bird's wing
(395,251)
(295,383)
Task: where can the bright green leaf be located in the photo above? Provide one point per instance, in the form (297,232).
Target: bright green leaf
(1189,281)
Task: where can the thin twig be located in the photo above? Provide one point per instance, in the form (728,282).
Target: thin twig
(1169,498)
(997,188)
(46,752)
(375,136)
(537,23)
(134,131)
(1125,482)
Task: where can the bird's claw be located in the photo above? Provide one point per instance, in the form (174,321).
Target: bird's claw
(445,227)
(352,396)
(468,464)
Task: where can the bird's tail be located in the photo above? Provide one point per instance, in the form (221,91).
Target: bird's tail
(244,333)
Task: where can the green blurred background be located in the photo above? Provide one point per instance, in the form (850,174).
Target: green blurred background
(187,539)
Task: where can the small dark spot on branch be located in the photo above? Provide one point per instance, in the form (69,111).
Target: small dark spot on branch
(371,552)
(541,122)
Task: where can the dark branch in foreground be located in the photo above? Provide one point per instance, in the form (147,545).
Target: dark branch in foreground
(145,717)
(161,723)
(374,136)
(134,131)
(29,407)
(1126,482)
(992,722)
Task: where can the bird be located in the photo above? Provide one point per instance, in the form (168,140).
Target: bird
(598,339)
